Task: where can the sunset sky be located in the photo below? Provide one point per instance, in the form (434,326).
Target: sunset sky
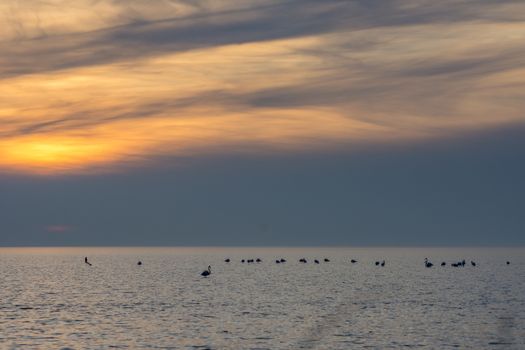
(134,122)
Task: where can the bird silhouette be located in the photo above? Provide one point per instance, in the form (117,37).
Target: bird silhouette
(207,272)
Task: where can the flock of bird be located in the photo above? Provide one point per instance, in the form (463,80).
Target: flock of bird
(382,263)
(461,263)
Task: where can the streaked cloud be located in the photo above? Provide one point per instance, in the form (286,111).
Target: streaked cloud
(58,228)
(100,84)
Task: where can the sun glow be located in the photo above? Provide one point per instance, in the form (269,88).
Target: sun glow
(90,112)
(86,119)
(48,154)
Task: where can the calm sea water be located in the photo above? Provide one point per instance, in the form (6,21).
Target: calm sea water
(50,299)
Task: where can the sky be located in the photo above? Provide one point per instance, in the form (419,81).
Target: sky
(262,122)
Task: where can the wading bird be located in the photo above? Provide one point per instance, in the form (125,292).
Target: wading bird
(428,263)
(207,272)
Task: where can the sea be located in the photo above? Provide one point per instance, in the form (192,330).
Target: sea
(51,299)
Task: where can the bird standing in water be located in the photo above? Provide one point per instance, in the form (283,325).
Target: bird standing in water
(207,272)
(428,263)
(86,261)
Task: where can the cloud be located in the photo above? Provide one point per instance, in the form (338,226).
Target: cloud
(145,31)
(146,38)
(79,90)
(58,228)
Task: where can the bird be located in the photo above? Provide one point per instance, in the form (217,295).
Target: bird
(207,272)
(250,261)
(383,263)
(377,263)
(86,261)
(472,263)
(277,261)
(326,260)
(303,260)
(353,261)
(283,260)
(242,261)
(443,263)
(227,260)
(258,260)
(508,262)
(316,261)
(428,263)
(454,265)
(139,263)
(463,262)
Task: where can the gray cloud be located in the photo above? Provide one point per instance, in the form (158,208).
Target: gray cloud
(465,191)
(204,28)
(357,71)
(415,85)
(389,89)
(143,38)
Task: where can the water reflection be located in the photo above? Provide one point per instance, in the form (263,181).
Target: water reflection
(51,299)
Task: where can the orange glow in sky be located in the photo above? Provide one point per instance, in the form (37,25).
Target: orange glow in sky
(99,109)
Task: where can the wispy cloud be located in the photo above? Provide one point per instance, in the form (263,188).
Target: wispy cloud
(109,81)
(58,228)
